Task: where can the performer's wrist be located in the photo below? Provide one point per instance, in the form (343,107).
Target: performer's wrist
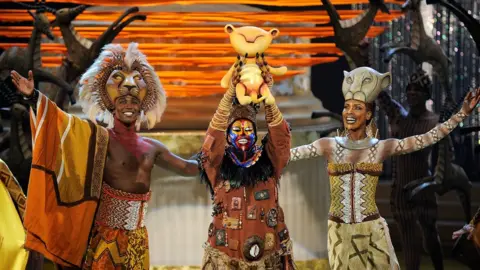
(273,116)
(461,115)
(31,96)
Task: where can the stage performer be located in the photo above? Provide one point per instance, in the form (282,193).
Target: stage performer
(13,255)
(411,167)
(248,228)
(358,237)
(89,186)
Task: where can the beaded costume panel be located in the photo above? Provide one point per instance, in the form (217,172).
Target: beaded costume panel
(122,210)
(353,188)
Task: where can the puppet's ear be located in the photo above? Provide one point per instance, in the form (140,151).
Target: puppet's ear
(229,28)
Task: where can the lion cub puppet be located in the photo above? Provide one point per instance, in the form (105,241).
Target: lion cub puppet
(251,75)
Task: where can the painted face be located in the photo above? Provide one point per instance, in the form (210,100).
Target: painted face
(355,114)
(242,134)
(127,109)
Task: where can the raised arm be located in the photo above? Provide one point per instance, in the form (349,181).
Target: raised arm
(391,147)
(391,107)
(213,148)
(279,136)
(318,148)
(414,143)
(42,108)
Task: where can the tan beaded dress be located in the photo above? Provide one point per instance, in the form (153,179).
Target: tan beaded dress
(358,237)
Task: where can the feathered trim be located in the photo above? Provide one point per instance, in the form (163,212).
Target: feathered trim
(238,176)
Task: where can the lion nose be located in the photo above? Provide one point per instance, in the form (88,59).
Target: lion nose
(129,87)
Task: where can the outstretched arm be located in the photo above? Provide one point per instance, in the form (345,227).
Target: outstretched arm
(391,107)
(414,143)
(279,137)
(316,149)
(391,147)
(167,160)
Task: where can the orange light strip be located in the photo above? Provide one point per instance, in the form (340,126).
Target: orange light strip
(193,90)
(203,49)
(193,77)
(286,3)
(174,18)
(178,32)
(205,62)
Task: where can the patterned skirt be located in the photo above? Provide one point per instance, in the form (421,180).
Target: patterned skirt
(358,246)
(117,249)
(119,238)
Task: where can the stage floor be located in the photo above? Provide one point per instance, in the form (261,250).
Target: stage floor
(450,264)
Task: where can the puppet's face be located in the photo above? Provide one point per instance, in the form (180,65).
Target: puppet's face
(250,39)
(127,109)
(242,134)
(355,115)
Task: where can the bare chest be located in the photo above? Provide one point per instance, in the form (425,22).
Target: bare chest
(127,170)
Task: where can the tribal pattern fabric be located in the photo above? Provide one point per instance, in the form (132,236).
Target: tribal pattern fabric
(122,210)
(117,249)
(364,245)
(119,238)
(353,188)
(13,187)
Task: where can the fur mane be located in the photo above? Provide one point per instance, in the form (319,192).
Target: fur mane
(94,98)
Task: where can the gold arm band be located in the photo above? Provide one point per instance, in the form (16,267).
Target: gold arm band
(220,118)
(273,116)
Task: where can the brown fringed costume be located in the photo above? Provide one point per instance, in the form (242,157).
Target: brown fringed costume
(408,168)
(248,227)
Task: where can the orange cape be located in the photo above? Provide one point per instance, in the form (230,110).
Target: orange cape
(65,182)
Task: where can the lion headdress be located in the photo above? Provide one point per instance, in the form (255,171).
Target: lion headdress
(98,103)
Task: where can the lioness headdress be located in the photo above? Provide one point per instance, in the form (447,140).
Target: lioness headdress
(364,84)
(98,103)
